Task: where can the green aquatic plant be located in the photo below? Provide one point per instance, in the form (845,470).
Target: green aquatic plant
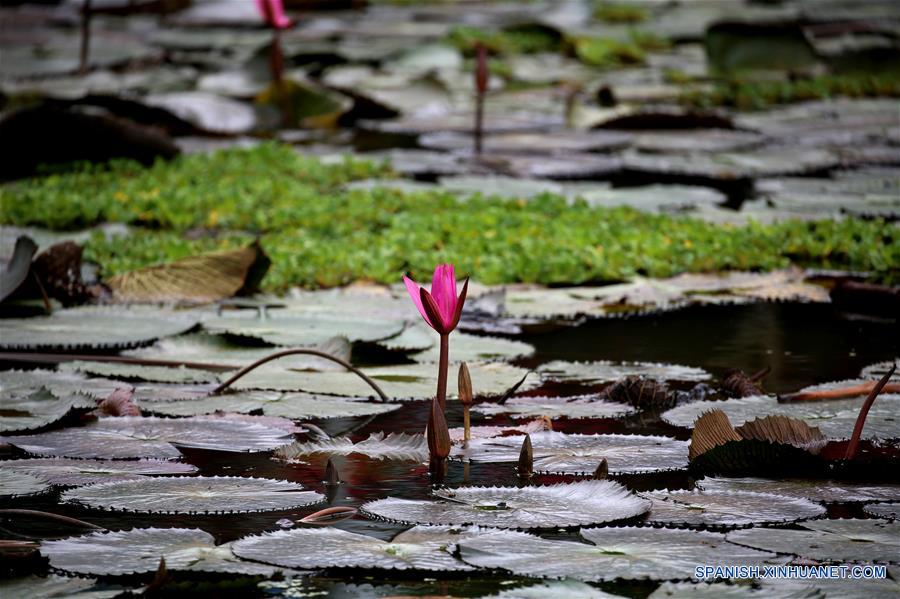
(616,12)
(524,39)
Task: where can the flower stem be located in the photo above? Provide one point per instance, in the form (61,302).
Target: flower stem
(442,371)
(467,424)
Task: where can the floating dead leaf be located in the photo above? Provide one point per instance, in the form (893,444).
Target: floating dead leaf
(119,404)
(196,279)
(329,516)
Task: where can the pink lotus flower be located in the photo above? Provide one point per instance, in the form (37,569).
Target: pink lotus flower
(272,12)
(441,308)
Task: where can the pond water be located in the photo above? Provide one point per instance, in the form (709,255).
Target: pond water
(803,344)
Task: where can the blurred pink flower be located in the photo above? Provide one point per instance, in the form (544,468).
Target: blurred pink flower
(272,12)
(441,308)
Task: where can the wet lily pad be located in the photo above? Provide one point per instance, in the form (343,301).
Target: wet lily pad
(419,548)
(531,143)
(555,589)
(879,369)
(610,300)
(300,329)
(138,372)
(553,506)
(727,508)
(829,540)
(763,162)
(891,511)
(28,411)
(408,381)
(147,437)
(194,495)
(92,328)
(69,472)
(501,186)
(605,372)
(17,484)
(206,112)
(55,586)
(627,553)
(295,406)
(780,589)
(834,418)
(554,407)
(474,348)
(136,551)
(656,198)
(488,432)
(698,140)
(827,491)
(395,446)
(566,453)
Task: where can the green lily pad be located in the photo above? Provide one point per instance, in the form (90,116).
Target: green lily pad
(605,372)
(147,437)
(139,372)
(849,540)
(17,484)
(566,453)
(531,143)
(394,446)
(419,548)
(34,410)
(610,300)
(139,550)
(474,348)
(826,491)
(408,381)
(290,329)
(834,418)
(553,506)
(727,508)
(698,140)
(194,495)
(555,407)
(55,586)
(612,553)
(295,406)
(69,472)
(763,162)
(92,328)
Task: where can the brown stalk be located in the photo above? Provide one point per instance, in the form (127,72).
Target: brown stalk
(84,53)
(50,516)
(481,85)
(841,393)
(853,446)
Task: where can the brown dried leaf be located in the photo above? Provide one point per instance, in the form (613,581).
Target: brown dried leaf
(738,384)
(781,429)
(196,279)
(119,404)
(59,270)
(711,430)
(641,393)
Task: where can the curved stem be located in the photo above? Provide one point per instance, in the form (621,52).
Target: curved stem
(50,516)
(443,365)
(308,352)
(853,446)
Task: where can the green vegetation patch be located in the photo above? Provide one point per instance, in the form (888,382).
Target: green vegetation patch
(319,235)
(525,39)
(616,12)
(758,95)
(612,53)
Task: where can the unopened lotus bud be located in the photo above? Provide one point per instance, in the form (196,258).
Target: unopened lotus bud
(602,471)
(438,435)
(525,466)
(464,383)
(329,515)
(332,477)
(481,69)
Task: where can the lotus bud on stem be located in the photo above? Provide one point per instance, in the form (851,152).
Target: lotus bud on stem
(329,516)
(464,386)
(438,437)
(525,467)
(602,471)
(481,85)
(332,477)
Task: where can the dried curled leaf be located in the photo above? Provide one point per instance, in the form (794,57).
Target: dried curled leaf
(119,404)
(781,429)
(711,430)
(197,279)
(641,393)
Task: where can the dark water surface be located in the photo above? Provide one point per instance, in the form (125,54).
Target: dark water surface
(803,344)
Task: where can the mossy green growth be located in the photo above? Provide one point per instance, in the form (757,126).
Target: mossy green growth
(617,12)
(525,39)
(609,52)
(381,233)
(253,189)
(757,95)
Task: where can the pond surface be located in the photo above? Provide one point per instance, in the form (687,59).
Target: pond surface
(803,344)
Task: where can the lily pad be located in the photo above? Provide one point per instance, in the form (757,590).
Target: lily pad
(408,381)
(879,369)
(419,548)
(627,553)
(147,437)
(829,540)
(33,410)
(698,140)
(295,406)
(834,418)
(565,453)
(140,372)
(54,586)
(473,348)
(194,495)
(555,589)
(395,446)
(727,508)
(69,472)
(553,506)
(605,372)
(778,589)
(610,300)
(17,484)
(301,329)
(92,328)
(488,432)
(531,143)
(762,162)
(555,407)
(826,491)
(206,112)
(671,199)
(139,550)
(891,511)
